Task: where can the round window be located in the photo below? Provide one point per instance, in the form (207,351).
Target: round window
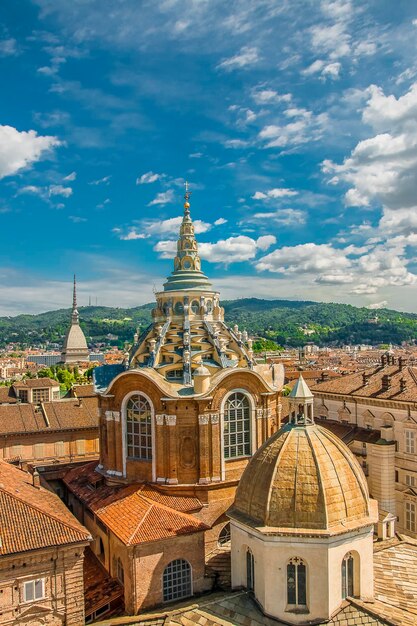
(179,308)
(195,306)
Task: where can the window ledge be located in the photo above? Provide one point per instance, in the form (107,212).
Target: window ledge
(299,610)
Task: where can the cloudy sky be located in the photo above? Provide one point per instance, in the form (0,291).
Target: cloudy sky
(295,122)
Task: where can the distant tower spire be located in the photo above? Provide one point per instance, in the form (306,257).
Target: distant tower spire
(74,295)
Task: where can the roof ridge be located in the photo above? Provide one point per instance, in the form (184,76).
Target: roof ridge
(168,508)
(141,521)
(40,510)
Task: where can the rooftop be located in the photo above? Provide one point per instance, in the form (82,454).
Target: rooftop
(33,517)
(135,513)
(386,382)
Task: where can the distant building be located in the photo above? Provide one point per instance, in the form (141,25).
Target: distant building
(97,356)
(380,400)
(47,359)
(74,349)
(41,554)
(39,428)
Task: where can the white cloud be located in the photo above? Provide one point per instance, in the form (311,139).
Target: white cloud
(377,305)
(101,181)
(157,228)
(265,242)
(284,217)
(8,47)
(235,143)
(269,96)
(70,177)
(304,258)
(324,69)
(164,197)
(306,128)
(148,177)
(220,221)
(22,149)
(246,57)
(132,235)
(60,190)
(382,169)
(279,192)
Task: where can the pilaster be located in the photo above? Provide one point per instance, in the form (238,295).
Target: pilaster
(160,464)
(204,457)
(215,448)
(172,477)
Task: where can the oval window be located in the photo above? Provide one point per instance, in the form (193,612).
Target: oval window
(179,308)
(187,265)
(195,306)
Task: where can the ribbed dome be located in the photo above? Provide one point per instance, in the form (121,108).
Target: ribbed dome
(75,339)
(304,477)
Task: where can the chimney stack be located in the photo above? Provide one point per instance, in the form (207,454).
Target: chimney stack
(386,382)
(36,479)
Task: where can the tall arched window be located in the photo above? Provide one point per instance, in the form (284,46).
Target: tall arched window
(177,580)
(139,428)
(296,582)
(347,576)
(250,570)
(236,426)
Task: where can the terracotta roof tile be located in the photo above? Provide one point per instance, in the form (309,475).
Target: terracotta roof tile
(8,395)
(135,513)
(31,517)
(369,383)
(59,415)
(36,383)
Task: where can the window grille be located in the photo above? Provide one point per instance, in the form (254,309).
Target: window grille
(177,580)
(236,426)
(139,428)
(410,442)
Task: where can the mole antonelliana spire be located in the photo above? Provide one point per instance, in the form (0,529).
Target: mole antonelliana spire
(74,348)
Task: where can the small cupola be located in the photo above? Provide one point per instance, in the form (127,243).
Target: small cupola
(201,379)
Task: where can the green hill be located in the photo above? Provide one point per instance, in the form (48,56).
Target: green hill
(287,322)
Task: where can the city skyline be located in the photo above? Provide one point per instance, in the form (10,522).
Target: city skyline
(300,149)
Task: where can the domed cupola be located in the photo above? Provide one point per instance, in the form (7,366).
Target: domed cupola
(304,485)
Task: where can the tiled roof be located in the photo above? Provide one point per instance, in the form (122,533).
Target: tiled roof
(350,432)
(402,383)
(83,391)
(135,513)
(395,569)
(239,609)
(59,415)
(36,383)
(7,395)
(31,517)
(99,587)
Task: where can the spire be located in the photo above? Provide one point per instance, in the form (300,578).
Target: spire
(74,295)
(187,272)
(75,315)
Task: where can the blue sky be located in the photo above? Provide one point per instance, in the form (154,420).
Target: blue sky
(294,121)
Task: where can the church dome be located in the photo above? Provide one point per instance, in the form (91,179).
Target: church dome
(75,339)
(303,477)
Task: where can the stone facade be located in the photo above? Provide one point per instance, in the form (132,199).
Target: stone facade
(390,461)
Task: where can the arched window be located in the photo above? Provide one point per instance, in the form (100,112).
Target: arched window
(237,440)
(139,428)
(296,582)
(224,536)
(177,580)
(347,576)
(250,570)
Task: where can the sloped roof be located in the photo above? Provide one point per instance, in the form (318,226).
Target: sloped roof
(135,513)
(35,383)
(31,517)
(368,383)
(56,415)
(301,390)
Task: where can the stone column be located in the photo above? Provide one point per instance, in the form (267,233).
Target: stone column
(160,464)
(260,427)
(111,440)
(172,477)
(203,447)
(118,443)
(216,461)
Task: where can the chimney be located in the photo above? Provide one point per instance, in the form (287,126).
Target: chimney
(383,360)
(386,382)
(403,384)
(401,362)
(36,479)
(365,378)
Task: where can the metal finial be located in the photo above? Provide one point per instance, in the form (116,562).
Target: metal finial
(187,195)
